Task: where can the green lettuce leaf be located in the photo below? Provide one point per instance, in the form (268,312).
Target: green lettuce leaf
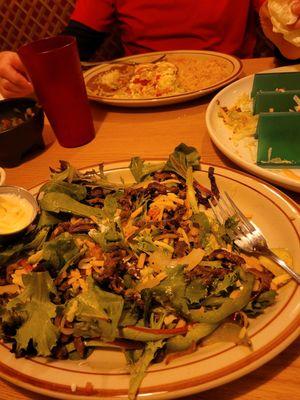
(172,289)
(196,291)
(140,169)
(97,311)
(257,306)
(77,192)
(143,242)
(139,368)
(37,313)
(58,251)
(183,157)
(68,173)
(48,219)
(98,178)
(60,202)
(36,242)
(110,230)
(201,221)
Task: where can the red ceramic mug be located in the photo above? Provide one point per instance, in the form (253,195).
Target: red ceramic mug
(54,68)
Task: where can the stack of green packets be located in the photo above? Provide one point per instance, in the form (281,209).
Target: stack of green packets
(275,98)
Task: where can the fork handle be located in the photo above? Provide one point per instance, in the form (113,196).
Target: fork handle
(268,253)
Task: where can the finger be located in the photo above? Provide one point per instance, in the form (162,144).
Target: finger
(8,87)
(7,93)
(16,78)
(17,64)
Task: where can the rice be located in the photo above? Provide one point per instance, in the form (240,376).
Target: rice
(195,74)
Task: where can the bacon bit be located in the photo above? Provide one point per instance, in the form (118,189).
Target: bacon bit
(174,356)
(89,389)
(155,213)
(25,264)
(94,250)
(244,318)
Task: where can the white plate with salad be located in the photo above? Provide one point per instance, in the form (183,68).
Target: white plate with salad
(145,269)
(235,138)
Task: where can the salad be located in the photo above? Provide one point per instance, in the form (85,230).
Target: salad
(143,267)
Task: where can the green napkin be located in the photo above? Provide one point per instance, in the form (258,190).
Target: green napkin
(275,101)
(273,81)
(278,136)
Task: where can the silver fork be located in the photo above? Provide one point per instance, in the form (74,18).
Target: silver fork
(246,235)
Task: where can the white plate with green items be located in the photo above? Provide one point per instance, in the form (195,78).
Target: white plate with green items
(232,126)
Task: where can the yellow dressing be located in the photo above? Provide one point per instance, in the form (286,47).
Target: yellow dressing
(15,213)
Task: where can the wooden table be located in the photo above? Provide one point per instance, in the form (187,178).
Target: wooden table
(122,133)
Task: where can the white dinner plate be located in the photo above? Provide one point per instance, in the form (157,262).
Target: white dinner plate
(220,134)
(105,371)
(232,65)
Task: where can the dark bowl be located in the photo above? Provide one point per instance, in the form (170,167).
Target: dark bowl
(18,141)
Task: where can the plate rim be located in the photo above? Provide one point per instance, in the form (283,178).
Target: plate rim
(165,100)
(286,182)
(2,176)
(284,338)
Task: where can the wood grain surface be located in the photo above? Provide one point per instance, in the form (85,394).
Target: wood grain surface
(122,133)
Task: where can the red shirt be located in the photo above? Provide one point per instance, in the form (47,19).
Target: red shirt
(157,25)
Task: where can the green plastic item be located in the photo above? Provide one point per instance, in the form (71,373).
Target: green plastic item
(273,81)
(278,136)
(275,101)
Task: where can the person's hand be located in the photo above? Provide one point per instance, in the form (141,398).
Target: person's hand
(13,81)
(287,49)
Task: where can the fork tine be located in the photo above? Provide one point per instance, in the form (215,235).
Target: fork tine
(222,213)
(247,236)
(241,229)
(251,228)
(224,207)
(215,211)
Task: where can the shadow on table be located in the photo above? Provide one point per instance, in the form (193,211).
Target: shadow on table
(166,108)
(35,151)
